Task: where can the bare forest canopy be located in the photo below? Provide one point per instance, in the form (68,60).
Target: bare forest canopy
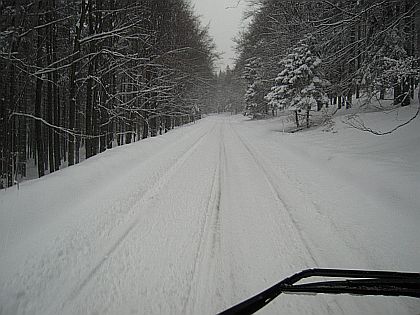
(302,55)
(78,77)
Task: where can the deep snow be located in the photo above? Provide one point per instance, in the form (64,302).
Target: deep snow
(203,217)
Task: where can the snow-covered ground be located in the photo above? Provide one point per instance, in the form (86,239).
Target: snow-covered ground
(203,217)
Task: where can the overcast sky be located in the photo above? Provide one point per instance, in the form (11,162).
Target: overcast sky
(225,17)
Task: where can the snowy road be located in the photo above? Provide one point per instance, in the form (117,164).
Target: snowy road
(191,223)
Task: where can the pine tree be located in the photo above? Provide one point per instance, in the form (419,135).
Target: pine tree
(281,93)
(389,65)
(300,85)
(254,96)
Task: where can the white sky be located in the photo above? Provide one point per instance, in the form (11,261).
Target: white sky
(225,17)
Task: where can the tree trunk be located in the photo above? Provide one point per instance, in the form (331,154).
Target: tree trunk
(145,132)
(397,94)
(167,123)
(153,126)
(307,118)
(89,86)
(50,95)
(406,97)
(56,99)
(349,100)
(72,87)
(21,144)
(38,98)
(382,94)
(89,110)
(10,124)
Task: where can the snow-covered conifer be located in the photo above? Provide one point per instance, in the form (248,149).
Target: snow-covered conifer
(388,65)
(254,95)
(300,86)
(282,92)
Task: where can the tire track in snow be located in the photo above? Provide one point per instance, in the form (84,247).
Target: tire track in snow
(209,236)
(227,262)
(75,249)
(255,156)
(216,222)
(276,194)
(145,198)
(200,252)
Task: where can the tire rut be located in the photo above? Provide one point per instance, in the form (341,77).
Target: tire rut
(276,193)
(209,234)
(145,199)
(279,199)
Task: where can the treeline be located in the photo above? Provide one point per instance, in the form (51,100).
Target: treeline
(303,55)
(227,92)
(78,77)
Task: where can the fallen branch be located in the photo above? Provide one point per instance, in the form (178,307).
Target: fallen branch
(355,122)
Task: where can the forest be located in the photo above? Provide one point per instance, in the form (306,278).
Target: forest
(144,171)
(79,77)
(307,55)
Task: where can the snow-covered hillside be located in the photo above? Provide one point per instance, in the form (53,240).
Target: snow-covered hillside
(201,218)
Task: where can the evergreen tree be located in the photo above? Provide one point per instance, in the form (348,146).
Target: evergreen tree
(254,96)
(390,66)
(300,85)
(368,46)
(281,93)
